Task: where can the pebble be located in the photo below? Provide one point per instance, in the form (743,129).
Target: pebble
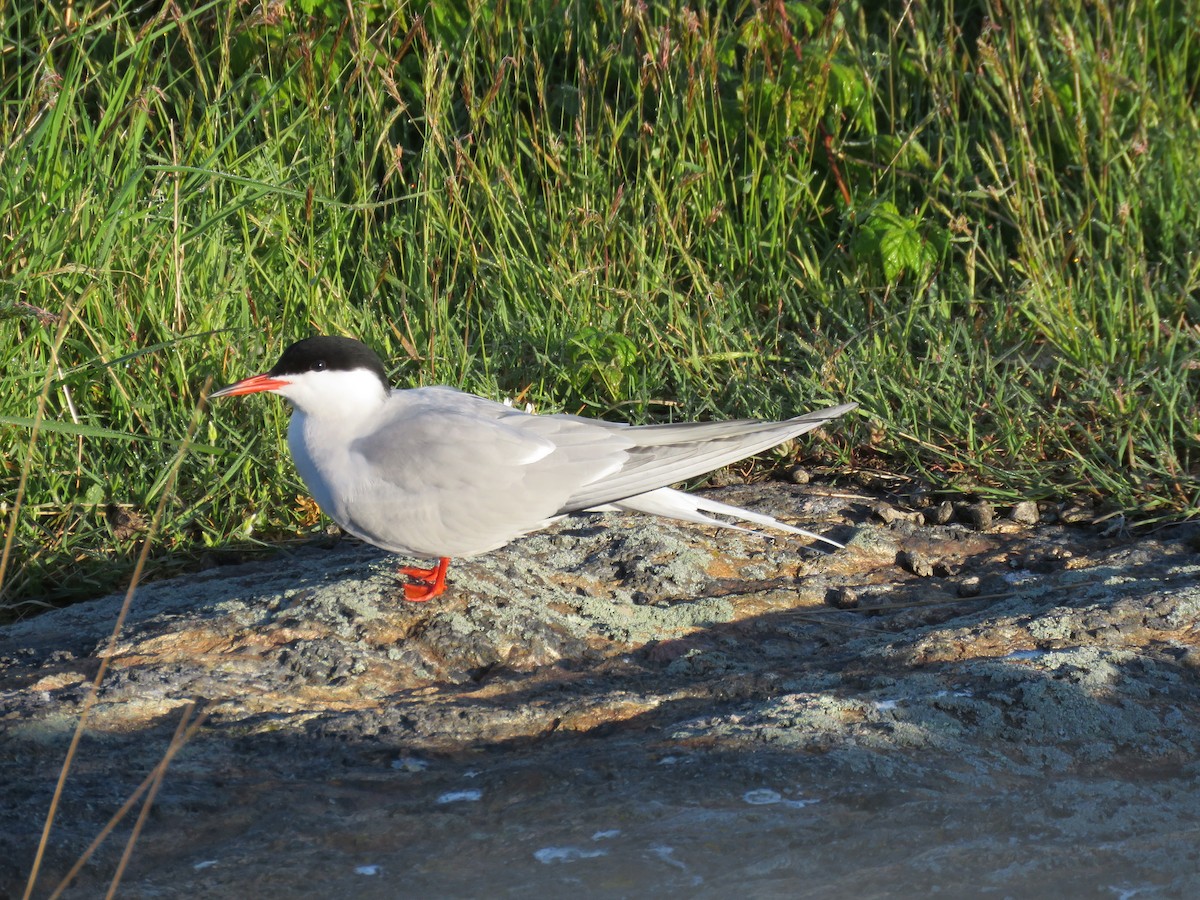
(842,598)
(1075,515)
(1024,513)
(940,514)
(916,562)
(978,515)
(890,515)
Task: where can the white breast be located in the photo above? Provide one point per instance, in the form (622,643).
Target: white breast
(322,465)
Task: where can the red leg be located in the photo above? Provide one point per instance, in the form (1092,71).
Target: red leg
(427,583)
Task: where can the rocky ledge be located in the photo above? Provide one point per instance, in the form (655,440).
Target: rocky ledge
(956,703)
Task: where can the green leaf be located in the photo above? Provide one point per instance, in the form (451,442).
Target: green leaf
(98,432)
(604,357)
(900,249)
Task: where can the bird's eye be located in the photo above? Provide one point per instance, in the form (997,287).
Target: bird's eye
(320,366)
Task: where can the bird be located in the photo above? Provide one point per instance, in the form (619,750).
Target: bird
(437,473)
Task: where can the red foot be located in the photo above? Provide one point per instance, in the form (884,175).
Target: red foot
(428,582)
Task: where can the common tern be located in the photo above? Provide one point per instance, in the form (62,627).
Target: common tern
(437,473)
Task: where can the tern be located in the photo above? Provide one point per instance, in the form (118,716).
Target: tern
(433,472)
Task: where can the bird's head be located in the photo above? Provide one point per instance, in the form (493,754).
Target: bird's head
(322,376)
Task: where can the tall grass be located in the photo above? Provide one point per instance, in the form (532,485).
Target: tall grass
(977,219)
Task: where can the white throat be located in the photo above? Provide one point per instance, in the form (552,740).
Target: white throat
(335,396)
(332,410)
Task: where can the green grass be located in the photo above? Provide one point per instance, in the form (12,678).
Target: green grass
(979,220)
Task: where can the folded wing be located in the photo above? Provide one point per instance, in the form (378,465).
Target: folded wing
(474,474)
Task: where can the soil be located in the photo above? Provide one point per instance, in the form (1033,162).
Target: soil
(625,707)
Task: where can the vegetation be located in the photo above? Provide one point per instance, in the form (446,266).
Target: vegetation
(977,219)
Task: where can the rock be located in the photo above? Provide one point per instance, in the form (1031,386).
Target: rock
(1075,514)
(842,598)
(970,586)
(889,515)
(940,514)
(1024,513)
(978,515)
(916,562)
(584,710)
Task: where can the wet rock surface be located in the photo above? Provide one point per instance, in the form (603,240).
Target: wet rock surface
(623,706)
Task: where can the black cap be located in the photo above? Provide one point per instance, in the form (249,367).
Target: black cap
(325,352)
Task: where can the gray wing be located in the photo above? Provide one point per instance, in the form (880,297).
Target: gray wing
(659,455)
(469,474)
(468,467)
